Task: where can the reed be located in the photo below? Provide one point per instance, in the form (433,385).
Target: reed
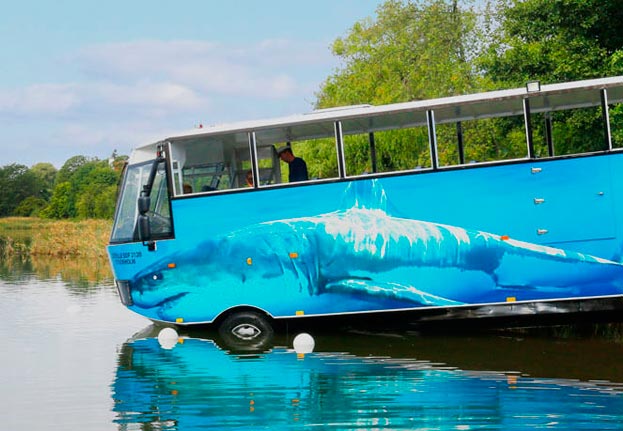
(58,238)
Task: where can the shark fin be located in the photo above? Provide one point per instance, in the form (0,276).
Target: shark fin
(365,195)
(388,290)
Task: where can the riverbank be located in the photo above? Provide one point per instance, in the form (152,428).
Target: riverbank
(29,236)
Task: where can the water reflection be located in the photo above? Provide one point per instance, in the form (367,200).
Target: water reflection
(366,382)
(79,274)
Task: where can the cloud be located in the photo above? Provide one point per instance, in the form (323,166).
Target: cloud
(269,68)
(144,95)
(122,94)
(160,77)
(39,99)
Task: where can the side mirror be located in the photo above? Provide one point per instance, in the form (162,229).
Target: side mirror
(144,232)
(144,202)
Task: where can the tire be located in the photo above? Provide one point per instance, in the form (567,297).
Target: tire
(246,331)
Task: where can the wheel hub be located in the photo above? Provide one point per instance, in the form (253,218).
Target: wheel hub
(246,331)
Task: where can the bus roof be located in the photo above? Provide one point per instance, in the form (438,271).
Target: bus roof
(367,118)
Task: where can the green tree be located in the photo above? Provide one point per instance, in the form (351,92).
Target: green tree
(96,195)
(88,190)
(412,50)
(69,168)
(30,207)
(17,183)
(555,41)
(62,203)
(46,172)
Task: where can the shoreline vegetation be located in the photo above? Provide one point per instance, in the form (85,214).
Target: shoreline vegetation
(28,236)
(73,251)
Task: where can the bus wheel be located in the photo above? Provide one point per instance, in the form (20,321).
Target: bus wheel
(246,330)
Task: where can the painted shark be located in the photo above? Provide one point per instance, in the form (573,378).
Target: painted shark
(362,258)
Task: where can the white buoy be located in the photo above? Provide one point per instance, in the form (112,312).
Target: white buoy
(304,343)
(167,338)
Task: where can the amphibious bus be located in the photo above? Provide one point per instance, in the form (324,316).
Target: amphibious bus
(503,207)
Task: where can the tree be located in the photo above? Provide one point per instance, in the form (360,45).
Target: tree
(96,195)
(46,172)
(556,41)
(411,51)
(62,203)
(70,167)
(29,207)
(17,183)
(88,190)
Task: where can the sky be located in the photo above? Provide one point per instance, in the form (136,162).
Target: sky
(83,77)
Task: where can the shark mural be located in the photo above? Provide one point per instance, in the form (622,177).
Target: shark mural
(362,258)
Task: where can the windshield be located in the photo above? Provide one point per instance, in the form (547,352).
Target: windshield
(136,176)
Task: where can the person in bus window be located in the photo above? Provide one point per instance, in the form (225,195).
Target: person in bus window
(249,178)
(297,166)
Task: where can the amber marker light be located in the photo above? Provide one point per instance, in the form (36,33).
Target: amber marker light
(171,266)
(294,255)
(505,237)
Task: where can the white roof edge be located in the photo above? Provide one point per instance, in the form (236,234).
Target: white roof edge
(345,112)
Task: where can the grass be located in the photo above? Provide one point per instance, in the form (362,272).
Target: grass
(26,236)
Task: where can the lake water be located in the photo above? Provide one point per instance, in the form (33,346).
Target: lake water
(73,358)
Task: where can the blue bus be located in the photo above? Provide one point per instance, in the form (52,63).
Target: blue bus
(501,207)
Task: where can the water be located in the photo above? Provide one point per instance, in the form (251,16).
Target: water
(73,358)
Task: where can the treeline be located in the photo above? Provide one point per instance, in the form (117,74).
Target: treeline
(82,188)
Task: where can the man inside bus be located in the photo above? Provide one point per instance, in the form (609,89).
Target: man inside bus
(297,166)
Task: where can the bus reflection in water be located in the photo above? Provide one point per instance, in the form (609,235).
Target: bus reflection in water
(198,385)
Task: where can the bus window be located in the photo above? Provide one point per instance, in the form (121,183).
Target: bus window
(616,124)
(160,209)
(314,143)
(481,132)
(269,165)
(578,130)
(450,144)
(211,163)
(572,123)
(493,139)
(127,211)
(136,177)
(386,143)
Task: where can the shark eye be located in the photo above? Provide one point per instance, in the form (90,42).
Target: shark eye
(153,278)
